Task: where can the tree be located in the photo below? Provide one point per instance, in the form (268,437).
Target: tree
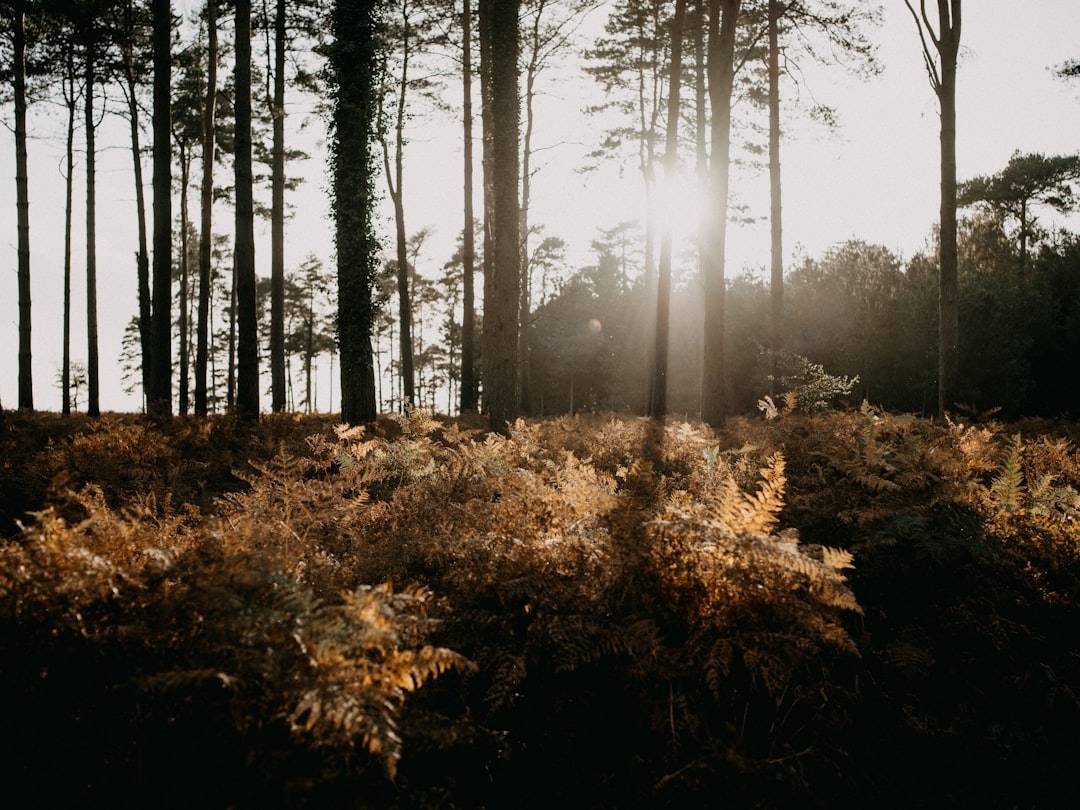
(631,58)
(247,350)
(206,235)
(22,204)
(941,70)
(159,402)
(352,67)
(550,27)
(723,17)
(658,397)
(93,22)
(502,286)
(838,23)
(310,336)
(1027,180)
(408,36)
(71,102)
(187,125)
(469,387)
(131,36)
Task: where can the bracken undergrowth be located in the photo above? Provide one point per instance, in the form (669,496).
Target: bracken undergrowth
(828,610)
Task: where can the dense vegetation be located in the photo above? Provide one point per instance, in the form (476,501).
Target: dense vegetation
(859,310)
(836,609)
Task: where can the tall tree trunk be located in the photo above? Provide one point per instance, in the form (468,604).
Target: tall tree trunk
(948,294)
(69,197)
(160,400)
(501,290)
(277,219)
(353,60)
(230,388)
(185,172)
(776,281)
(658,397)
(469,391)
(247,350)
(142,258)
(723,15)
(531,69)
(22,205)
(92,376)
(206,235)
(394,178)
(942,74)
(486,172)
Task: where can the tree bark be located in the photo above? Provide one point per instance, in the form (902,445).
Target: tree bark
(948,294)
(185,273)
(160,400)
(277,219)
(69,196)
(353,60)
(207,205)
(723,15)
(92,375)
(469,392)
(22,205)
(502,289)
(247,350)
(658,396)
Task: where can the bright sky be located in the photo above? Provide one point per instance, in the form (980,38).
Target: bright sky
(875,179)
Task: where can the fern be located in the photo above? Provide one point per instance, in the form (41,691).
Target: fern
(1007,488)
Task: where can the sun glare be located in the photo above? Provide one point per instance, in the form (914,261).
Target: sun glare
(678,205)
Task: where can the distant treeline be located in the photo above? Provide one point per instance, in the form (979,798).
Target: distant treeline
(859,309)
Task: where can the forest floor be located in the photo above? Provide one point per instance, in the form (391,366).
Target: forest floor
(846,609)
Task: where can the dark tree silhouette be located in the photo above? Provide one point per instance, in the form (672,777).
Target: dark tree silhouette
(658,397)
(723,17)
(502,395)
(941,70)
(1027,180)
(247,349)
(353,59)
(160,400)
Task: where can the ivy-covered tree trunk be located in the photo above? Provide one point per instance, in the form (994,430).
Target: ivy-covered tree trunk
(22,205)
(502,287)
(723,15)
(160,401)
(247,348)
(207,204)
(353,63)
